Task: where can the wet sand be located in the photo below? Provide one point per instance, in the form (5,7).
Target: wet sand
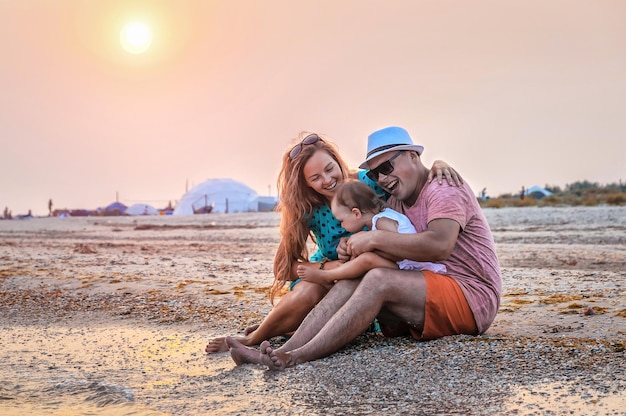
(111,316)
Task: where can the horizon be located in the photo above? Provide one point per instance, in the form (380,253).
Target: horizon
(174,203)
(510,94)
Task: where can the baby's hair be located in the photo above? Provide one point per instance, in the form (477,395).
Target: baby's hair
(356,194)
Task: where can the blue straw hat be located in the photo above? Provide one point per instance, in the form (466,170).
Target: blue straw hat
(388,140)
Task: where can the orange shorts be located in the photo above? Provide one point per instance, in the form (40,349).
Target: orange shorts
(447,311)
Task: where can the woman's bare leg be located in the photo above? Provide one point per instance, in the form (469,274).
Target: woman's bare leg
(284,318)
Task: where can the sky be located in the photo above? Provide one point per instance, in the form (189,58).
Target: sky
(510,93)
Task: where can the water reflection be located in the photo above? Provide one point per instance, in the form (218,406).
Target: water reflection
(124,368)
(70,397)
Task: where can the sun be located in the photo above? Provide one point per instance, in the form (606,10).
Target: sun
(136,37)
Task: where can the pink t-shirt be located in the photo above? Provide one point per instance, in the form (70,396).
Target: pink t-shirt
(473,263)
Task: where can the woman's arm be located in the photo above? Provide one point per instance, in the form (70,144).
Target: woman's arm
(440,169)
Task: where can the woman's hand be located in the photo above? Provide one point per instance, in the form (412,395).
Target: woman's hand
(440,169)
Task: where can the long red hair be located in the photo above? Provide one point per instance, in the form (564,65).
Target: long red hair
(297,201)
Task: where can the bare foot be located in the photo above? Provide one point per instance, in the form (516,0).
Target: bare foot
(271,358)
(216,345)
(251,329)
(242,354)
(307,271)
(246,355)
(219,344)
(310,272)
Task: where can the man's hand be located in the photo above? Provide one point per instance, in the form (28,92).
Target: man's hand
(360,243)
(342,250)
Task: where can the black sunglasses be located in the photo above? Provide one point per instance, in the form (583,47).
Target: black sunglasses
(385,168)
(310,139)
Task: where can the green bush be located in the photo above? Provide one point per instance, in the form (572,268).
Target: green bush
(579,193)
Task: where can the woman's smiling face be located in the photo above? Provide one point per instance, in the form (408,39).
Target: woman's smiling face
(323,174)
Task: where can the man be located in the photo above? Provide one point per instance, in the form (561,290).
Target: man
(451,229)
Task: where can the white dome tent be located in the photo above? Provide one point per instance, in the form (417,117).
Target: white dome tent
(218,195)
(141,209)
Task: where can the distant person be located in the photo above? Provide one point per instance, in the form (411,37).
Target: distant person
(311,172)
(522,193)
(357,207)
(50,207)
(425,305)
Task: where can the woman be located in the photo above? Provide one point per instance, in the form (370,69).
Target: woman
(311,172)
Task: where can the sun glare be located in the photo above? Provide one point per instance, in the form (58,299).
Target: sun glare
(136,37)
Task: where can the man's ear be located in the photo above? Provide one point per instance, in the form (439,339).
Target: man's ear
(414,156)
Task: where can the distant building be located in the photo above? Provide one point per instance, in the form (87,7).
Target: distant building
(537,192)
(141,209)
(218,195)
(113,209)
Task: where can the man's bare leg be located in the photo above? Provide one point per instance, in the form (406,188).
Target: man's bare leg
(310,326)
(401,293)
(284,318)
(322,313)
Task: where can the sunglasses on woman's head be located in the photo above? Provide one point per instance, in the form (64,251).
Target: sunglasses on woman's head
(385,168)
(310,139)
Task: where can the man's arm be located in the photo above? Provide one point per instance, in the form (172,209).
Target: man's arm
(383,223)
(434,244)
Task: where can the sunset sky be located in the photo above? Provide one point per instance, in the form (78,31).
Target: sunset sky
(511,93)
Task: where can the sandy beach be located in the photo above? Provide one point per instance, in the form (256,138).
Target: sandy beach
(110,315)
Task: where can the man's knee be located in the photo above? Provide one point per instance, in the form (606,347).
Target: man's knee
(376,276)
(390,282)
(345,288)
(346,284)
